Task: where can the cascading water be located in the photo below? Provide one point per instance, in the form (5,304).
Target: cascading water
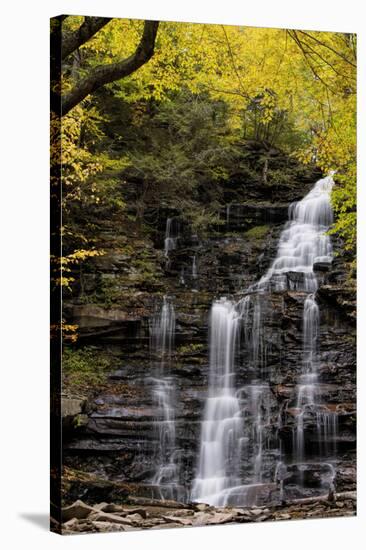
(181,278)
(162,332)
(232,418)
(171,236)
(260,414)
(228,214)
(218,469)
(194,268)
(303,242)
(308,389)
(307,382)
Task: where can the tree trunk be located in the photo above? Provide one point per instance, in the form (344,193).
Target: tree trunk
(107,73)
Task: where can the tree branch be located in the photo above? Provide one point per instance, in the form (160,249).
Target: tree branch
(104,74)
(329,48)
(307,57)
(89,28)
(310,49)
(230,51)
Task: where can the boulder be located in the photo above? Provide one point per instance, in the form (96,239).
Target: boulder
(72,406)
(77,510)
(108,527)
(205,518)
(180,520)
(111,518)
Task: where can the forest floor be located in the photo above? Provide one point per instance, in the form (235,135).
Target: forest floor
(148,514)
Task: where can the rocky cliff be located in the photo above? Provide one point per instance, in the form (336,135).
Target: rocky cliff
(110,443)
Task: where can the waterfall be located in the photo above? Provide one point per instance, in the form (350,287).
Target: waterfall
(162,333)
(181,278)
(307,381)
(221,427)
(228,472)
(228,214)
(171,236)
(260,414)
(194,268)
(310,330)
(308,386)
(303,242)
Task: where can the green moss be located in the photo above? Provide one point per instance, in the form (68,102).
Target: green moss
(139,272)
(80,420)
(109,291)
(84,368)
(191,349)
(237,233)
(257,232)
(144,271)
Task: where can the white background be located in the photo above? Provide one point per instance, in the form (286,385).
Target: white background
(24,287)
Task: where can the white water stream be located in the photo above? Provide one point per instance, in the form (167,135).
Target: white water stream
(162,334)
(303,243)
(171,236)
(222,423)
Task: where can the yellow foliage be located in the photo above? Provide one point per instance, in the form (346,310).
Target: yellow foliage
(310,75)
(63,265)
(66,332)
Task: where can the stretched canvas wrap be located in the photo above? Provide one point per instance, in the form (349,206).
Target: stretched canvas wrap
(203,199)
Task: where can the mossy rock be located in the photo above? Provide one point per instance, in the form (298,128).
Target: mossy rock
(257,232)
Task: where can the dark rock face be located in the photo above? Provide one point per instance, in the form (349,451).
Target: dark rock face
(120,441)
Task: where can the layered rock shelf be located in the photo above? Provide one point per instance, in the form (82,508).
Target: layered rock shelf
(114,436)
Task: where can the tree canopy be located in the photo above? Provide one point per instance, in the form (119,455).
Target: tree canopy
(170,104)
